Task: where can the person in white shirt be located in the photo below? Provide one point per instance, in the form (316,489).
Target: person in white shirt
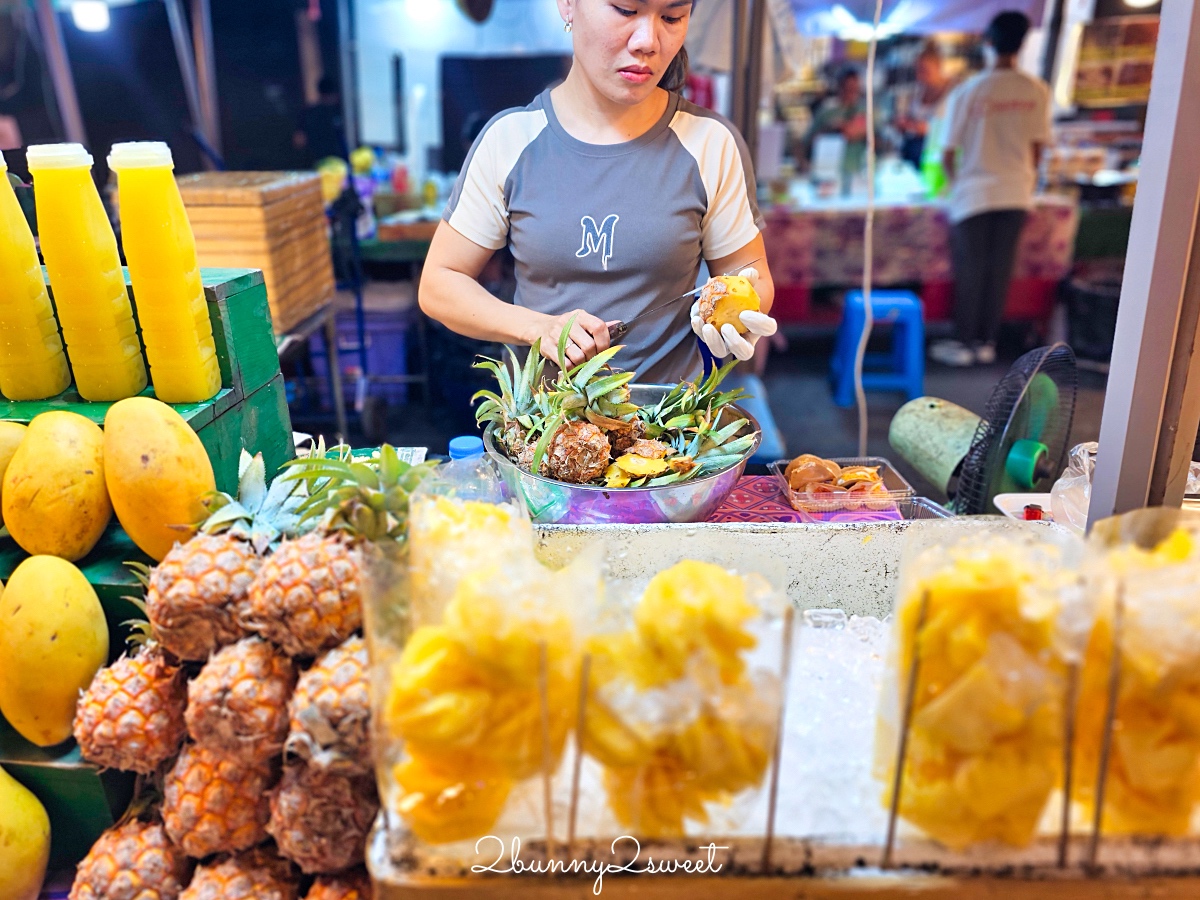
(996,125)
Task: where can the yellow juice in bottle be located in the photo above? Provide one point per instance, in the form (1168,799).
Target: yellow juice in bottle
(85,273)
(32,363)
(161,251)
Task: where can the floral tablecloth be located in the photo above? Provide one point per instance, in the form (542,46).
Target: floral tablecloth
(823,245)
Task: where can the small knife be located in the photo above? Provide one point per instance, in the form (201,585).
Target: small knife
(618,330)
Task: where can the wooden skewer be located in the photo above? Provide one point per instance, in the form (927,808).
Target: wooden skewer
(1072,699)
(789,620)
(547,755)
(585,672)
(1110,715)
(905,723)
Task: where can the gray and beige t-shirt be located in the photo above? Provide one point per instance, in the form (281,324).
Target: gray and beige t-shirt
(612,229)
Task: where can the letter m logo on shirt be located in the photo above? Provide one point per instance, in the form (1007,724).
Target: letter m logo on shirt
(598,239)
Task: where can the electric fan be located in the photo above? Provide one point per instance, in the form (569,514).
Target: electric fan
(1019,445)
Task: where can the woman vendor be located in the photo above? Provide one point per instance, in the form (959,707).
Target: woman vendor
(610,191)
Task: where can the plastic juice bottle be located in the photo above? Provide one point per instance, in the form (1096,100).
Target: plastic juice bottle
(85,272)
(161,251)
(32,363)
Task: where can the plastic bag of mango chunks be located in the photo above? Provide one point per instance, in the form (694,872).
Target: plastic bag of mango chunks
(996,616)
(683,704)
(1149,562)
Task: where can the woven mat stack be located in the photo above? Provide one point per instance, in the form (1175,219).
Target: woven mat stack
(274,221)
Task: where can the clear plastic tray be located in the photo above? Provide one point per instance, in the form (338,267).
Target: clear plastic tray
(897,489)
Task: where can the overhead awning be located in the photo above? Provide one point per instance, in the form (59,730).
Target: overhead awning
(852,19)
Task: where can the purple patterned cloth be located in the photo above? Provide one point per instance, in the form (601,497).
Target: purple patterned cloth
(758,498)
(824,245)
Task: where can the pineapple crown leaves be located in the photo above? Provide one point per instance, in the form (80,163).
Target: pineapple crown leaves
(259,514)
(141,632)
(519,386)
(366,498)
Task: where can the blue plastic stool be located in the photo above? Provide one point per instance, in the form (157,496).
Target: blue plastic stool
(903,369)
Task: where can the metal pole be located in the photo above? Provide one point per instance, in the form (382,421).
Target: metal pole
(754,66)
(1053,37)
(206,71)
(737,69)
(1150,409)
(187,64)
(348,59)
(60,73)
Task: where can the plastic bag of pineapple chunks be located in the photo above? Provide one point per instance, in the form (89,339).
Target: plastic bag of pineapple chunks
(1149,563)
(996,617)
(683,703)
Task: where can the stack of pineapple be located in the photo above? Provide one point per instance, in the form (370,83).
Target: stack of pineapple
(583,429)
(246,702)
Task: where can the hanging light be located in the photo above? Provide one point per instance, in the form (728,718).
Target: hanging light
(1140,4)
(90,15)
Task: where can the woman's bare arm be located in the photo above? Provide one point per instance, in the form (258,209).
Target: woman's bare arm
(451,294)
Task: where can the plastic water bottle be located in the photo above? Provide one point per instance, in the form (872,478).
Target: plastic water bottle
(469,476)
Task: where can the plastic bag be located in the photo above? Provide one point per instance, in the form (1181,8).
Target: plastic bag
(1072,493)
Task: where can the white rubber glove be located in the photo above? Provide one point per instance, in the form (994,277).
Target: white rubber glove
(726,341)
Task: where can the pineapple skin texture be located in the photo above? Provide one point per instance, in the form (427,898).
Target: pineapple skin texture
(157,471)
(24,841)
(256,875)
(134,861)
(1153,783)
(54,499)
(132,716)
(985,743)
(320,821)
(212,804)
(719,309)
(307,597)
(349,886)
(237,705)
(196,592)
(53,641)
(330,712)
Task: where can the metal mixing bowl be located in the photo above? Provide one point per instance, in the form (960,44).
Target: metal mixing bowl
(557,503)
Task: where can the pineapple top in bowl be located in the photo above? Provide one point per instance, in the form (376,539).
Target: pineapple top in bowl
(584,427)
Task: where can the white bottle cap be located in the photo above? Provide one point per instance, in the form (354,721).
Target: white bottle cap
(140,155)
(57,156)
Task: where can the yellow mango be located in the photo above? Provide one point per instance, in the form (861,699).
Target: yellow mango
(54,497)
(53,641)
(11,435)
(641,466)
(158,473)
(24,841)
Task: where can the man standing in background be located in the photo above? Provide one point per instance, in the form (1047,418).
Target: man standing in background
(996,126)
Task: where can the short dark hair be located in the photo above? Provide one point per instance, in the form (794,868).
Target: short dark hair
(1007,32)
(846,74)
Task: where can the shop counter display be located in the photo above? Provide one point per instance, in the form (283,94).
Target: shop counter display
(821,246)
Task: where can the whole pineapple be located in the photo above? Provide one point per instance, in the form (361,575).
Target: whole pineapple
(354,885)
(307,597)
(259,874)
(237,705)
(194,595)
(320,821)
(215,804)
(331,712)
(133,861)
(578,452)
(131,717)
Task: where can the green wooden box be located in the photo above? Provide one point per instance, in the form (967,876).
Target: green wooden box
(250,411)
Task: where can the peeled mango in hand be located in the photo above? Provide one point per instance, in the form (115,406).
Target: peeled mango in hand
(53,641)
(985,742)
(24,841)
